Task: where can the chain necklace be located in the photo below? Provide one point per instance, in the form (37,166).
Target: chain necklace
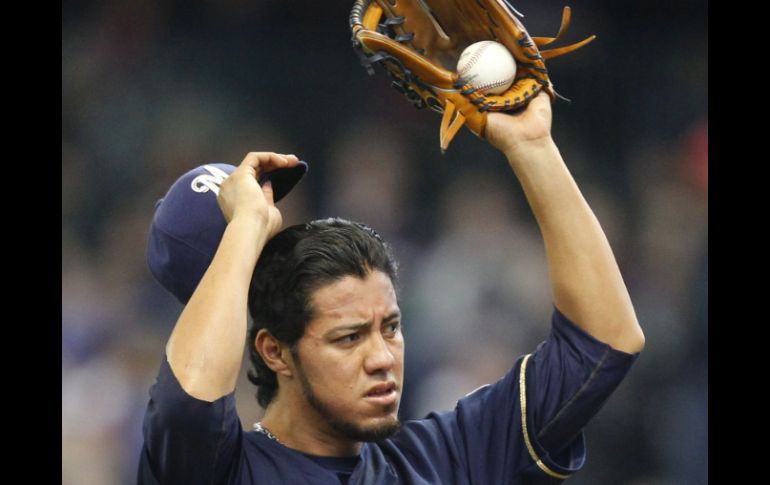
(262,430)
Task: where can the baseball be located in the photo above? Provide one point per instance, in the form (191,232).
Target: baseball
(488,66)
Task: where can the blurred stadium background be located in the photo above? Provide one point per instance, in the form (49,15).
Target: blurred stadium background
(151,89)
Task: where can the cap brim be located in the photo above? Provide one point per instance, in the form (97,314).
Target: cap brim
(284,179)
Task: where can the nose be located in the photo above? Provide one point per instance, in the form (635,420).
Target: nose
(379,357)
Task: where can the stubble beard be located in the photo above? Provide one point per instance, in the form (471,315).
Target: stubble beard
(344,427)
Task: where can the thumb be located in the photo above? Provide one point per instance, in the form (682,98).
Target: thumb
(267,189)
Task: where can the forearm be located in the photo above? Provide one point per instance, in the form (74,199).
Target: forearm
(586,281)
(206,347)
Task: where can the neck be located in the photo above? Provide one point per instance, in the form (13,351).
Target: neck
(299,426)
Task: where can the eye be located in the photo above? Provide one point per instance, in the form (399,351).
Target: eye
(392,328)
(348,339)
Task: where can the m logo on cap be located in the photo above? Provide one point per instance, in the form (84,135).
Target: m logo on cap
(204,183)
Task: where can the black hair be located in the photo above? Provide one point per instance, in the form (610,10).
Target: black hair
(293,265)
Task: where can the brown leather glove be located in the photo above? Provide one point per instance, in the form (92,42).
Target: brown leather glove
(420,41)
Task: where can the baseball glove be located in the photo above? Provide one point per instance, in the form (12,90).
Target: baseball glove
(420,41)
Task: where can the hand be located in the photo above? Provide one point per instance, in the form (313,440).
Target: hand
(241,196)
(514,133)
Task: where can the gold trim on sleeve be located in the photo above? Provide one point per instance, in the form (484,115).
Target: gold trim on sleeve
(523,400)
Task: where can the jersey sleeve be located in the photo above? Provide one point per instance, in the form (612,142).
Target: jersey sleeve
(187,440)
(529,424)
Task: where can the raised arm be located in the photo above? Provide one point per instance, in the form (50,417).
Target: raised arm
(586,281)
(206,345)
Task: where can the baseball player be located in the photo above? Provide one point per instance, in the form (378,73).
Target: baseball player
(327,347)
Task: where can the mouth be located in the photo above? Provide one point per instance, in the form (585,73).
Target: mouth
(382,394)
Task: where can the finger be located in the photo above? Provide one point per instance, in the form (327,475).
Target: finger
(283,161)
(267,189)
(541,98)
(267,161)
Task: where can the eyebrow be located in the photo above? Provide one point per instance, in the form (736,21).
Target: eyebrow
(358,326)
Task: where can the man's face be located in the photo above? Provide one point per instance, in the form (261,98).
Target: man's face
(351,357)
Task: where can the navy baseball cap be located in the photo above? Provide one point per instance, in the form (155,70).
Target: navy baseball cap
(188,224)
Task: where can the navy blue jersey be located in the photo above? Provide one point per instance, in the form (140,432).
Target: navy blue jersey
(524,429)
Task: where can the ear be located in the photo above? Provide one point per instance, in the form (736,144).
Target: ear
(275,354)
